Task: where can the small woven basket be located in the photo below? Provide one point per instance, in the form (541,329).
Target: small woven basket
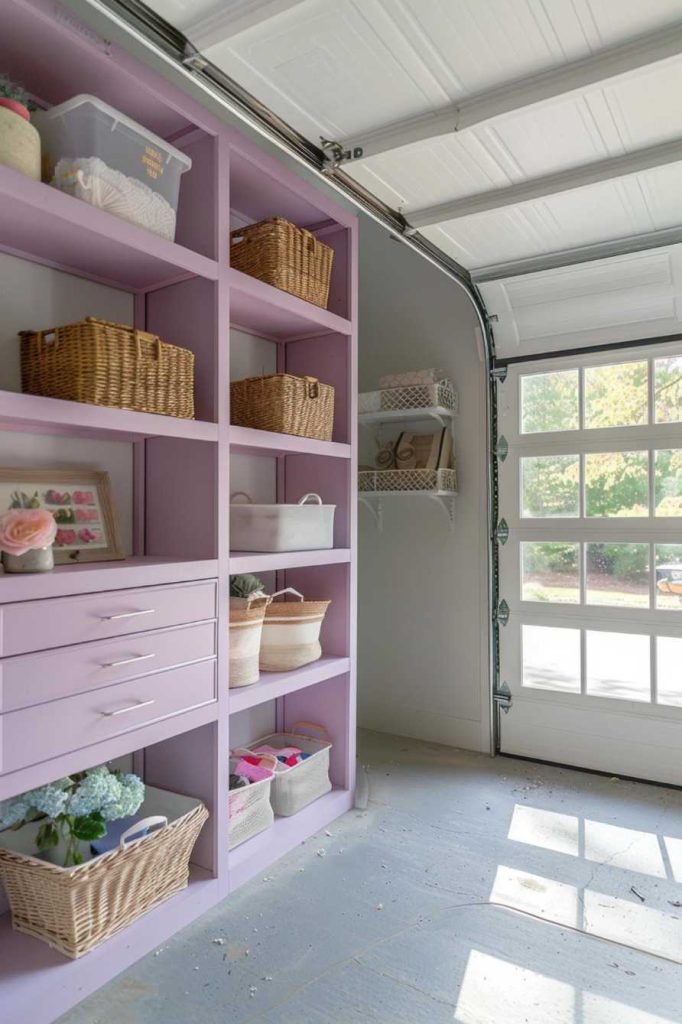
(291,632)
(250,808)
(287,257)
(75,909)
(407,480)
(246,626)
(284,404)
(105,363)
(293,788)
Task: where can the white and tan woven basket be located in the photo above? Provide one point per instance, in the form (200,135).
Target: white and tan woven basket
(291,632)
(250,808)
(293,788)
(75,909)
(377,480)
(246,626)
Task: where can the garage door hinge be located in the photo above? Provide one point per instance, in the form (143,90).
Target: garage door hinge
(502,613)
(502,532)
(502,696)
(502,450)
(499,373)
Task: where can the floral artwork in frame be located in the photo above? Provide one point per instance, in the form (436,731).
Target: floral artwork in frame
(79,500)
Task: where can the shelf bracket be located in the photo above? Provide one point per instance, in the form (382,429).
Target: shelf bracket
(447,503)
(376,508)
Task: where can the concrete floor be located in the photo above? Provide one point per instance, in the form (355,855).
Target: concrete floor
(395,916)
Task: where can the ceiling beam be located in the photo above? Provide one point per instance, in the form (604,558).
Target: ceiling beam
(231,18)
(548,184)
(513,96)
(582,254)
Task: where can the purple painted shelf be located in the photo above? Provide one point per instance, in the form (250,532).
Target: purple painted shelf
(247,441)
(43,224)
(253,856)
(261,309)
(277,684)
(35,414)
(93,577)
(256,561)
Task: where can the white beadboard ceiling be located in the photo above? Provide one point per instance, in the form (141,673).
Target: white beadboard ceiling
(509,132)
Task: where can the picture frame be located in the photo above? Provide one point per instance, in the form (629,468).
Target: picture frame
(79,499)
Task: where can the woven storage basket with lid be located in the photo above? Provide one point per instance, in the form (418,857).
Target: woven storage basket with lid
(291,632)
(287,257)
(285,404)
(105,363)
(75,909)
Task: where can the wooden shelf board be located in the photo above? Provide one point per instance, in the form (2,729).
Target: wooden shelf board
(41,223)
(256,561)
(278,684)
(435,412)
(93,577)
(248,441)
(37,984)
(271,313)
(35,414)
(257,854)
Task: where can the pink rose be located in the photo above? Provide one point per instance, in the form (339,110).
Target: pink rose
(86,535)
(83,498)
(66,537)
(25,529)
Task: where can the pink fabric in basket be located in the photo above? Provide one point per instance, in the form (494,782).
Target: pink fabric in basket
(252,772)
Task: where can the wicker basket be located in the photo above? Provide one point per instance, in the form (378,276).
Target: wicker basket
(104,363)
(420,396)
(284,256)
(250,808)
(284,404)
(246,626)
(296,787)
(291,632)
(75,909)
(371,481)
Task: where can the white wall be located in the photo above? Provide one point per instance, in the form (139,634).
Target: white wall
(422,666)
(34,297)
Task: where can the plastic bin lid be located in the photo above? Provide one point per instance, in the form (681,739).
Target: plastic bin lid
(83,99)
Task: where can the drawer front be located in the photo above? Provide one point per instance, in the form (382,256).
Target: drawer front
(59,727)
(34,678)
(39,625)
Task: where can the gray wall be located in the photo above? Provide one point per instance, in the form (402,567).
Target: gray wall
(421,629)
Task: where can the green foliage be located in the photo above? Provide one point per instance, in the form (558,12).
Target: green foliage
(10,90)
(89,827)
(245,585)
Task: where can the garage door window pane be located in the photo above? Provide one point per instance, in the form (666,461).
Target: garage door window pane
(668,482)
(618,665)
(668,673)
(617,575)
(617,396)
(550,486)
(669,578)
(549,402)
(668,389)
(617,484)
(551,658)
(550,572)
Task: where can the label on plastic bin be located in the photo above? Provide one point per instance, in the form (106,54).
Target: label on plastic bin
(153,162)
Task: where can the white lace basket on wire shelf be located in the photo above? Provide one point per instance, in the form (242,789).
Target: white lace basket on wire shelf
(249,807)
(294,787)
(377,480)
(420,396)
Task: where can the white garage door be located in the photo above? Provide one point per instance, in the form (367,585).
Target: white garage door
(591,572)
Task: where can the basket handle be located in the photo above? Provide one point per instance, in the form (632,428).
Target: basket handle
(138,347)
(42,338)
(315,497)
(155,819)
(257,600)
(312,387)
(298,727)
(288,590)
(270,759)
(241,494)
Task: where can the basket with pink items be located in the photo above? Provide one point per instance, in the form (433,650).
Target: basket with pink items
(251,777)
(302,772)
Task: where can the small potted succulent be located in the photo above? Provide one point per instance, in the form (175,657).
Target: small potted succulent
(19,139)
(248,602)
(74,811)
(26,538)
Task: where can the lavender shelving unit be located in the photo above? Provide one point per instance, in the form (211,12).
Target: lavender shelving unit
(177,578)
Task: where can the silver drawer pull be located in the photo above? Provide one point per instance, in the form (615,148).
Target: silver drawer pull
(127,661)
(127,615)
(131,707)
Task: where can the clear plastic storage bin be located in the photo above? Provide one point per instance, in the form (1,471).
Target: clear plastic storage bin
(101,156)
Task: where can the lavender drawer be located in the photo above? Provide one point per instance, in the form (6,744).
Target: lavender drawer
(49,730)
(39,625)
(34,678)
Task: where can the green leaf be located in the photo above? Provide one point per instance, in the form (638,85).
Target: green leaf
(89,827)
(47,837)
